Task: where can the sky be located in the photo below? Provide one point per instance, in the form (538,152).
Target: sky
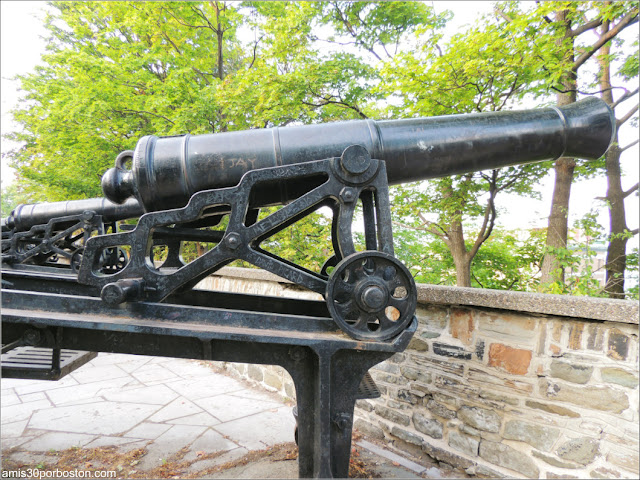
(22,44)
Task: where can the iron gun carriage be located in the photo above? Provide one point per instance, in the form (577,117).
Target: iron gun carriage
(114,294)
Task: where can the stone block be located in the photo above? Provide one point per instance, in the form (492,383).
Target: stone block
(447,456)
(542,339)
(388,378)
(418,345)
(480,350)
(368,429)
(571,372)
(255,373)
(464,443)
(446,399)
(432,320)
(387,367)
(290,389)
(595,337)
(485,472)
(397,405)
(619,377)
(575,336)
(470,430)
(428,426)
(580,450)
(440,410)
(431,364)
(550,408)
(392,415)
(415,374)
(498,397)
(537,436)
(446,350)
(626,442)
(397,358)
(363,404)
(512,360)
(508,457)
(484,379)
(554,461)
(273,380)
(413,397)
(556,331)
(602,472)
(461,325)
(480,418)
(627,462)
(559,475)
(599,398)
(406,436)
(510,327)
(555,350)
(618,345)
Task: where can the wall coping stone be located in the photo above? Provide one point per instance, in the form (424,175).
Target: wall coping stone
(606,309)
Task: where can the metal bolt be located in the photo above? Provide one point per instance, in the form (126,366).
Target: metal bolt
(232,241)
(373,297)
(355,159)
(88,215)
(296,353)
(341,420)
(124,290)
(31,337)
(348,194)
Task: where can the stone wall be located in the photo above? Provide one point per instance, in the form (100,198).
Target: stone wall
(500,383)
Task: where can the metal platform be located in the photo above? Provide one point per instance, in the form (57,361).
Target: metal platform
(326,365)
(39,363)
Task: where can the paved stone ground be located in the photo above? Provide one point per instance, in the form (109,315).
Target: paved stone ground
(131,401)
(161,404)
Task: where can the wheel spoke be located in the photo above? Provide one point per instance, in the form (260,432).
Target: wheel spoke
(399,303)
(384,321)
(344,308)
(343,290)
(362,322)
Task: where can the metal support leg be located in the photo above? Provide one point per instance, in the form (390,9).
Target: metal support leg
(326,385)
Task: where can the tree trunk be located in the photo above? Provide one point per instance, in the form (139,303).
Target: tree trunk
(558,224)
(617,249)
(459,252)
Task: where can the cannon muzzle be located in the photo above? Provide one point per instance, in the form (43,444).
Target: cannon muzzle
(166,171)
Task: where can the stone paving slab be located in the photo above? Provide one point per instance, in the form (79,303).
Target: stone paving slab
(161,404)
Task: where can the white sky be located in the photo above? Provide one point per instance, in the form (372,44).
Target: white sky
(22,44)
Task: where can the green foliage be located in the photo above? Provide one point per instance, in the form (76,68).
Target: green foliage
(12,196)
(509,260)
(305,243)
(116,71)
(578,259)
(632,292)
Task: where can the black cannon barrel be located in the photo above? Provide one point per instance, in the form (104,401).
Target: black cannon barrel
(166,171)
(25,216)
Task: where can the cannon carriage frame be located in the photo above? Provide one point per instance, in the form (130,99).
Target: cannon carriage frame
(112,296)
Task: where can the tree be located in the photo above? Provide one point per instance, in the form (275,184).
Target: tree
(480,70)
(113,73)
(619,233)
(560,40)
(118,71)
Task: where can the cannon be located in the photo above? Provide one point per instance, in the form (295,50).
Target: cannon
(116,293)
(167,171)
